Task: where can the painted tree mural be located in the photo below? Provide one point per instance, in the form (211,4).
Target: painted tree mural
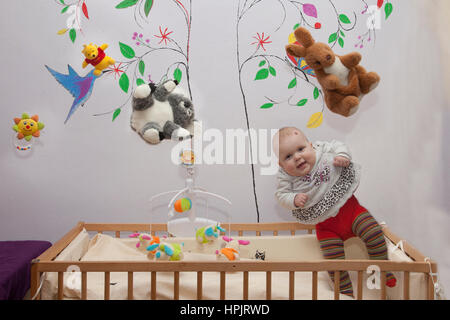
(300,79)
(134,67)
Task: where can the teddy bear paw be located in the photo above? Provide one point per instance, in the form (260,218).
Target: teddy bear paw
(142,91)
(151,136)
(181,134)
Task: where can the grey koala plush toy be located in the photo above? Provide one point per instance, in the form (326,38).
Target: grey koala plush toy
(161,111)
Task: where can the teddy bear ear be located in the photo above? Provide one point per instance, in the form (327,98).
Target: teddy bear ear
(304,37)
(295,50)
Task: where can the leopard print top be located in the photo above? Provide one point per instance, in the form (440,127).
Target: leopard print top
(319,212)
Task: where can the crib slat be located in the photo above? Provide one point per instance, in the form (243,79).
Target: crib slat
(83,285)
(275,233)
(176,285)
(245,283)
(107,285)
(430,287)
(258,233)
(240,233)
(268,285)
(222,285)
(406,285)
(337,277)
(60,285)
(291,285)
(153,286)
(199,285)
(315,283)
(117,234)
(383,285)
(130,285)
(360,285)
(293,232)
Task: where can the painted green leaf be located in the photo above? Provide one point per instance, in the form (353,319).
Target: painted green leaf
(344,18)
(341,42)
(62,1)
(302,102)
(262,74)
(72,34)
(267,105)
(141,67)
(272,71)
(263,62)
(124,82)
(332,37)
(116,113)
(293,83)
(126,4)
(296,26)
(126,50)
(139,81)
(148,6)
(388,9)
(64,9)
(342,33)
(177,74)
(316,93)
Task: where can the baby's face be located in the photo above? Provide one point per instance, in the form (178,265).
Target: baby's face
(296,155)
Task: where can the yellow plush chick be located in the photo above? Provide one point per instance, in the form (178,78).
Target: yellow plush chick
(96,56)
(27,127)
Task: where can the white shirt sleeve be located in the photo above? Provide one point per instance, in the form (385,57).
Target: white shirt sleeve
(284,193)
(336,147)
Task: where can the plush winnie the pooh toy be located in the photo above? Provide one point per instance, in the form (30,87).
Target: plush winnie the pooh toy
(96,56)
(343,80)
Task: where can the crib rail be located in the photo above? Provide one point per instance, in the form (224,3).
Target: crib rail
(45,263)
(245,267)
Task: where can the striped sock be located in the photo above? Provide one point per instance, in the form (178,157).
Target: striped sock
(367,228)
(333,248)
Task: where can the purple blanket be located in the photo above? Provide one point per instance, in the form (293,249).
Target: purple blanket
(15,266)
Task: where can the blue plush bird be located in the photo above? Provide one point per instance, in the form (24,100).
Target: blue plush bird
(79,87)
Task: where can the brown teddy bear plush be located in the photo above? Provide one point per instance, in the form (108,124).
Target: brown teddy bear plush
(342,79)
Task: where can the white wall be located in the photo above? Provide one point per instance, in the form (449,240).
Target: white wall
(96,170)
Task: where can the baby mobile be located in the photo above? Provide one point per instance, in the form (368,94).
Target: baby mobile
(131,72)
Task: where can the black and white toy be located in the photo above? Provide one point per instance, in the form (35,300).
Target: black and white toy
(162,111)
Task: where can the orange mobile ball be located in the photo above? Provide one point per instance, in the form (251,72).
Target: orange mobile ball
(182,205)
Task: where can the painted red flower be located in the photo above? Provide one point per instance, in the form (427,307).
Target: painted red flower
(116,70)
(164,35)
(261,41)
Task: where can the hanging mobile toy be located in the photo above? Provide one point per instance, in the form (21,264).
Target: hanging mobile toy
(26,128)
(182,205)
(186,222)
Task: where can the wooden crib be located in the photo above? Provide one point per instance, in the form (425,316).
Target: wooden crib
(45,263)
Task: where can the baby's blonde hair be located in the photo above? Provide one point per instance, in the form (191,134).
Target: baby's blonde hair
(282,133)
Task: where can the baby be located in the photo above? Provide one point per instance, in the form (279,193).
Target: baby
(317,183)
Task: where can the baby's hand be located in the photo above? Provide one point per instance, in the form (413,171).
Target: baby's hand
(341,161)
(300,200)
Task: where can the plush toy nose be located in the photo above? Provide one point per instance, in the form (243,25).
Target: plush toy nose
(329,57)
(176,82)
(28,127)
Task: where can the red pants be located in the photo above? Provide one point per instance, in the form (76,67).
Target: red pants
(340,226)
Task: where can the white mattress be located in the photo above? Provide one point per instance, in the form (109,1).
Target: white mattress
(296,248)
